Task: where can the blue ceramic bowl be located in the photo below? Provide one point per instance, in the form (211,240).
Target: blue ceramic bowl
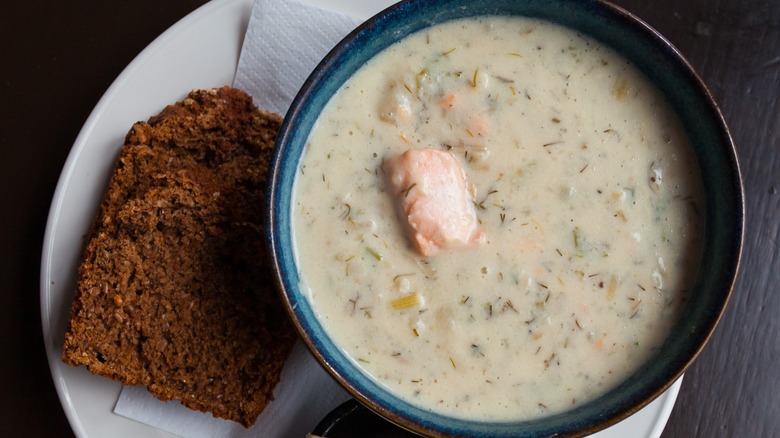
(710,139)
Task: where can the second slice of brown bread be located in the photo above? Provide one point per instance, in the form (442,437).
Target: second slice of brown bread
(174,291)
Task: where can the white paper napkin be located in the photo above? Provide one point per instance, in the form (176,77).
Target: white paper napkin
(284,41)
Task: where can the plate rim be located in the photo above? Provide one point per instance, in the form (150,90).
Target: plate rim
(63,182)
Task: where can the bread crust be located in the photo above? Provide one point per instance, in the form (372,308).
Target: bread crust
(175,291)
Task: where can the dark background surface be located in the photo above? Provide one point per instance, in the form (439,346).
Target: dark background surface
(58,58)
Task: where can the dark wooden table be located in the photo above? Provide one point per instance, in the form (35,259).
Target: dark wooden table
(58,58)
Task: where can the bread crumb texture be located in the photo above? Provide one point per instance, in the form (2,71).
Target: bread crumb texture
(175,291)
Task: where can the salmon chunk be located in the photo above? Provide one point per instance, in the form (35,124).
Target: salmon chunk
(433,197)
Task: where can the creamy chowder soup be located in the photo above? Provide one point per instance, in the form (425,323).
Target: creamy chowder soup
(586,232)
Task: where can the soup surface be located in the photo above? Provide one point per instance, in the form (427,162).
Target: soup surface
(587,219)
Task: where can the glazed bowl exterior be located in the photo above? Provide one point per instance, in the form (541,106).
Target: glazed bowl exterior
(710,140)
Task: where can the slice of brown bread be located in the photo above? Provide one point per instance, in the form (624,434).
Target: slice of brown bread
(174,291)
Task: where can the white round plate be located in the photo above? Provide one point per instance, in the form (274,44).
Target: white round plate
(200,51)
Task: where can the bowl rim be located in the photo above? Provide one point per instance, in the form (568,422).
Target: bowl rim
(275,204)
